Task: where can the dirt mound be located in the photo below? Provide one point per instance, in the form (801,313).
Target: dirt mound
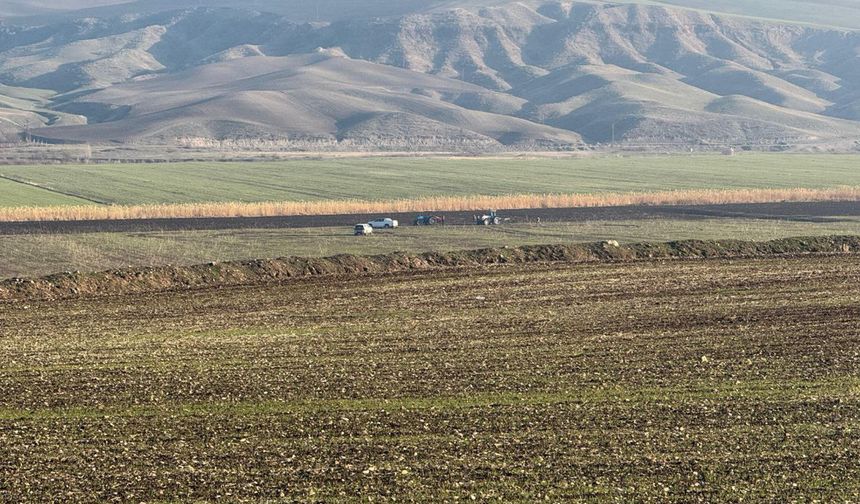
(157,279)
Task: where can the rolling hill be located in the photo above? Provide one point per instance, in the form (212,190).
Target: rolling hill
(491,73)
(319,97)
(23,109)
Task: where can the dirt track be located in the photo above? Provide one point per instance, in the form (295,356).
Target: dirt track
(807,212)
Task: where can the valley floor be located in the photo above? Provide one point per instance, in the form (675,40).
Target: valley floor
(674,381)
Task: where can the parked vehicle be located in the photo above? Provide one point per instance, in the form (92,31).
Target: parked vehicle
(383,223)
(363,230)
(488,219)
(429,220)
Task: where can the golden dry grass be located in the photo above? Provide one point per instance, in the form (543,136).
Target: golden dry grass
(434,203)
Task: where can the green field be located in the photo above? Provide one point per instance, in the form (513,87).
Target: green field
(386,178)
(14,194)
(39,255)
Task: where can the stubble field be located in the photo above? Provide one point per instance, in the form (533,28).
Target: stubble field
(680,381)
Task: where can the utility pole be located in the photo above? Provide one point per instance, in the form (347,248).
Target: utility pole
(613,134)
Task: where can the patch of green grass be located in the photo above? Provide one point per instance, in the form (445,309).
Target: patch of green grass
(14,194)
(386,178)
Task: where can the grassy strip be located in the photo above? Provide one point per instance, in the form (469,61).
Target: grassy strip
(765,391)
(434,203)
(44,254)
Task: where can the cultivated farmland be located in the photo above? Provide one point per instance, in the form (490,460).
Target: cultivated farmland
(14,194)
(679,381)
(409,178)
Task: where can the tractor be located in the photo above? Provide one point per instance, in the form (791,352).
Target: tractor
(429,220)
(488,219)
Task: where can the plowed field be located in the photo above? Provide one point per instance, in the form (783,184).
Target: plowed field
(677,381)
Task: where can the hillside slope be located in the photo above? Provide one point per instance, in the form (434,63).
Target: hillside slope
(603,72)
(296,10)
(837,13)
(842,13)
(23,110)
(320,97)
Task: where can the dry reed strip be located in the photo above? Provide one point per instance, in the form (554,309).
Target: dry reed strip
(426,204)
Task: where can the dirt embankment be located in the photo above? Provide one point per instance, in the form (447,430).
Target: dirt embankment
(166,278)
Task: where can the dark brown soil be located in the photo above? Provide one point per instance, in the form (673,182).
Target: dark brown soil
(698,381)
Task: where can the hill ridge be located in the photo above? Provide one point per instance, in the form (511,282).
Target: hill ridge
(549,73)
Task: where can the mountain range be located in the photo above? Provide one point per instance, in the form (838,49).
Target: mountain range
(445,74)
